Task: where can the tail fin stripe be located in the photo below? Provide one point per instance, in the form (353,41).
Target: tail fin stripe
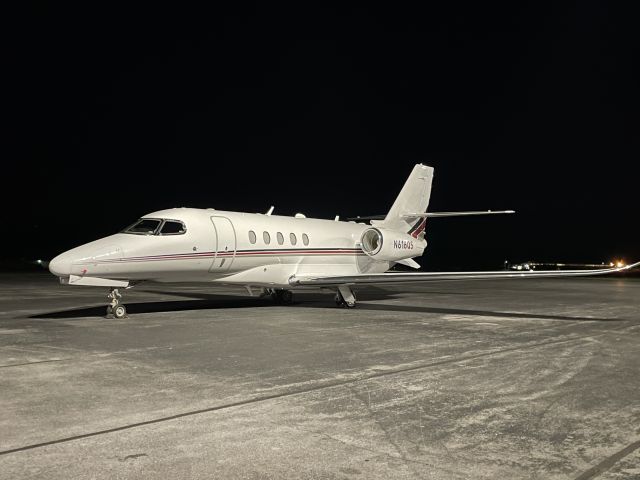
(416,225)
(419,228)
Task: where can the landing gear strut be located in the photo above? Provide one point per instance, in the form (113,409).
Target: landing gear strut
(280,296)
(345,297)
(115,308)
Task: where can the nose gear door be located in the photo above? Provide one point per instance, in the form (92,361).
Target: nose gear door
(225,244)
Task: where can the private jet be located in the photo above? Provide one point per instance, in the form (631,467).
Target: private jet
(274,255)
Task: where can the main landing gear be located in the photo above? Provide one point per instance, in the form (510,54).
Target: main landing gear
(115,308)
(345,297)
(280,296)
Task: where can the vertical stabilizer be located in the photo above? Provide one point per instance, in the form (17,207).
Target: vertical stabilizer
(413,198)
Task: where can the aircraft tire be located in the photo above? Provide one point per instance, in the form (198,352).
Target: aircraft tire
(282,297)
(120,311)
(286,297)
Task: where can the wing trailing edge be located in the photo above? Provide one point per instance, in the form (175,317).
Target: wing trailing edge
(391,278)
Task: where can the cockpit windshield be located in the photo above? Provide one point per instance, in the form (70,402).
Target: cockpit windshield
(156,226)
(172,227)
(144,226)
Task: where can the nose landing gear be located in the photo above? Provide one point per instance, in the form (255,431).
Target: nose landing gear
(115,308)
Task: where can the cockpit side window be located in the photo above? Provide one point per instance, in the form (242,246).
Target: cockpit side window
(144,226)
(172,227)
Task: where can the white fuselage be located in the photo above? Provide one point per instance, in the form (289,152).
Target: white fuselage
(272,252)
(218,246)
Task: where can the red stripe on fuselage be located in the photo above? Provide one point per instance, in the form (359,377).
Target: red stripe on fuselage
(239,253)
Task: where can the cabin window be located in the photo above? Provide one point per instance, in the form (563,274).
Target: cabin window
(252,236)
(266,237)
(305,239)
(144,226)
(172,227)
(293,239)
(280,238)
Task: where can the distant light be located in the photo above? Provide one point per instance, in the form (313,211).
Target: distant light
(619,264)
(611,264)
(39,262)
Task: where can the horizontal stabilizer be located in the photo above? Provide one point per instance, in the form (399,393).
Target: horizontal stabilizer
(456,214)
(436,214)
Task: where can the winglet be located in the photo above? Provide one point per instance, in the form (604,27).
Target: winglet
(627,267)
(270,211)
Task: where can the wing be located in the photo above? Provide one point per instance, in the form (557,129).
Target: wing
(390,278)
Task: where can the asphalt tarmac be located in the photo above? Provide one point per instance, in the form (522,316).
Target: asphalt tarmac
(484,380)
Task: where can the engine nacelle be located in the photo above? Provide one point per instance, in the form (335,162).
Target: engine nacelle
(389,246)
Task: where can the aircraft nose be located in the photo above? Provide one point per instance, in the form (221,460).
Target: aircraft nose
(60,266)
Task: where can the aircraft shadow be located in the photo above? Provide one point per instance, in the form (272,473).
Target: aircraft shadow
(203,301)
(299,297)
(163,306)
(370,293)
(211,301)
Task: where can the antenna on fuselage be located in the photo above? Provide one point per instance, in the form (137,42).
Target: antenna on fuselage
(270,211)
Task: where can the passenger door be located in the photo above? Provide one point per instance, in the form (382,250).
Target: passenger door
(225,244)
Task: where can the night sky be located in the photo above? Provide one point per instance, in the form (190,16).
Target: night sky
(120,112)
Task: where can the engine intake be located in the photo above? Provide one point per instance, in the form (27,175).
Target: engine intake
(390,246)
(372,241)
